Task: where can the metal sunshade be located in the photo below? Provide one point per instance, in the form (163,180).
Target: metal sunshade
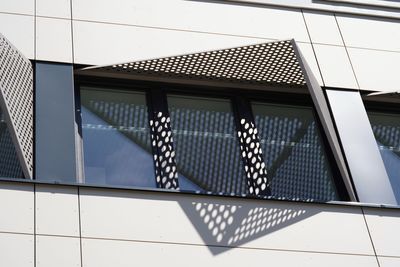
(16,101)
(277,64)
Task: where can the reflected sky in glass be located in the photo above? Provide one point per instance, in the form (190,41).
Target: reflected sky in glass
(116,138)
(205,140)
(293,152)
(386,128)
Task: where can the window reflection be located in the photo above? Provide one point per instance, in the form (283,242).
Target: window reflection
(116,136)
(386,128)
(207,149)
(9,163)
(293,153)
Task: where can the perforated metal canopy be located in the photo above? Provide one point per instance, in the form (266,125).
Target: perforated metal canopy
(276,64)
(267,63)
(16,101)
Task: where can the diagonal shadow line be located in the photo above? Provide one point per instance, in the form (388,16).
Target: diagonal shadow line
(221,223)
(224,226)
(141,142)
(286,152)
(137,139)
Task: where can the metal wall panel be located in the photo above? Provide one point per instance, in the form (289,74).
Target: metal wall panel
(51,200)
(17,207)
(116,253)
(56,156)
(383,225)
(189,16)
(57,251)
(359,144)
(50,46)
(16,101)
(17,250)
(225,222)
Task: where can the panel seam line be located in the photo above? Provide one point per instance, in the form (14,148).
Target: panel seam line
(312,47)
(370,236)
(347,52)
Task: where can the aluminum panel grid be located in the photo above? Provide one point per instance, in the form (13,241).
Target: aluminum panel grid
(272,63)
(16,101)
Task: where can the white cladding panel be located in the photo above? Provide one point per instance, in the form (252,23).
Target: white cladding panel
(106,44)
(20,7)
(384,228)
(19,30)
(57,251)
(53,39)
(198,16)
(105,253)
(222,222)
(389,262)
(376,70)
(57,210)
(54,8)
(16,250)
(308,53)
(323,28)
(372,33)
(16,208)
(335,66)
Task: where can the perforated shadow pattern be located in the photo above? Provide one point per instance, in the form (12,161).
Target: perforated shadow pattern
(16,100)
(267,63)
(161,140)
(256,172)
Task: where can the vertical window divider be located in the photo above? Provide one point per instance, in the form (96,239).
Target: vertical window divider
(257,181)
(161,140)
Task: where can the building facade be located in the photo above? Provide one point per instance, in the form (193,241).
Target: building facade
(200,133)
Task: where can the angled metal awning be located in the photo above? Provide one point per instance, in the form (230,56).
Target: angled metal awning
(261,64)
(277,64)
(16,101)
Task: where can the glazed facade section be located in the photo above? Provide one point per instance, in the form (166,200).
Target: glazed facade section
(335,140)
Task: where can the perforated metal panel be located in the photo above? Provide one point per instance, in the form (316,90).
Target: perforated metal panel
(16,101)
(268,63)
(277,64)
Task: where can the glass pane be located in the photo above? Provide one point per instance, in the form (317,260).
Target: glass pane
(116,138)
(9,163)
(207,149)
(293,152)
(386,128)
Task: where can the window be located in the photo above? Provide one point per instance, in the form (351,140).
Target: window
(116,137)
(294,154)
(386,128)
(207,150)
(207,142)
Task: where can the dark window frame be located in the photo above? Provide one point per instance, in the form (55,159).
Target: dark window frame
(270,95)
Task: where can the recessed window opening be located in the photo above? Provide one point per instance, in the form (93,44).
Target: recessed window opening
(385,123)
(208,141)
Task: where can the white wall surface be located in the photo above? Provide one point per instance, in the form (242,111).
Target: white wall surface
(222,222)
(110,227)
(344,48)
(105,253)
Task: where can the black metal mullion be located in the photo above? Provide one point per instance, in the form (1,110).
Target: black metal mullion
(162,141)
(257,181)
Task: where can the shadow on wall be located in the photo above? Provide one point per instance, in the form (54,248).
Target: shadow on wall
(221,222)
(231,225)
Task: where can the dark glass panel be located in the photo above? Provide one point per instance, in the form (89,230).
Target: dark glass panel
(293,152)
(116,137)
(386,128)
(205,140)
